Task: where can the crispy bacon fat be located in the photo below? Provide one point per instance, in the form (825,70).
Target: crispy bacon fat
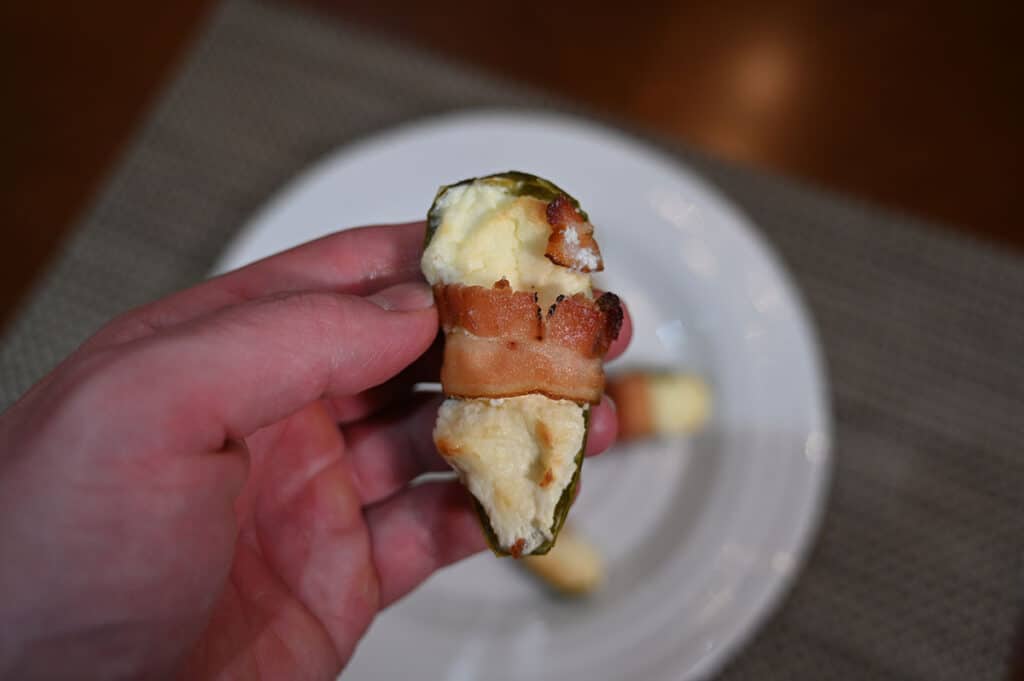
(499,343)
(571,243)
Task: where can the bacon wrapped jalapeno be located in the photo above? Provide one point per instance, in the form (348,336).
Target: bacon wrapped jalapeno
(509,257)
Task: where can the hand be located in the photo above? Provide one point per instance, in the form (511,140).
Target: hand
(215,485)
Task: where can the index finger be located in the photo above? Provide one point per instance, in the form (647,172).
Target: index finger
(356,261)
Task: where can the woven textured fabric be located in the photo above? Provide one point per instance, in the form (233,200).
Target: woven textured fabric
(917,571)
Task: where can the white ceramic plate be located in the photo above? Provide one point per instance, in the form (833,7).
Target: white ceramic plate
(702,537)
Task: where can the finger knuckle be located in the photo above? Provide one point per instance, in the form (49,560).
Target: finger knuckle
(92,394)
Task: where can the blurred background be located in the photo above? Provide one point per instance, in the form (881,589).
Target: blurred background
(917,106)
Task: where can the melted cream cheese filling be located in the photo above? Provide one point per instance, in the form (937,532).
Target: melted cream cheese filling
(679,403)
(517,456)
(487,234)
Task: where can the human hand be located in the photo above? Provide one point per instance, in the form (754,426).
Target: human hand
(215,484)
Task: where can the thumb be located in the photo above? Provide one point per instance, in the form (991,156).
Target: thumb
(231,373)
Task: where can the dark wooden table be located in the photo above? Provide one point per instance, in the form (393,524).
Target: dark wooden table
(918,106)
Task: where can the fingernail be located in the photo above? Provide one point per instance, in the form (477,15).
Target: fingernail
(404,297)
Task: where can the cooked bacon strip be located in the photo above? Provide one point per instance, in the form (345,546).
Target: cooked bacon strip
(576,322)
(496,368)
(571,243)
(587,326)
(632,396)
(489,312)
(499,344)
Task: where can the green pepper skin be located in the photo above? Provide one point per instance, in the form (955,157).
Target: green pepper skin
(561,508)
(515,182)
